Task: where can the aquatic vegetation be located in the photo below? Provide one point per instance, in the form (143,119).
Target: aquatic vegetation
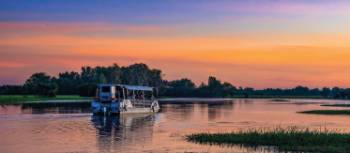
(327,112)
(283,139)
(280,100)
(337,105)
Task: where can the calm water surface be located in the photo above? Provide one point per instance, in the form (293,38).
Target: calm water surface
(68,130)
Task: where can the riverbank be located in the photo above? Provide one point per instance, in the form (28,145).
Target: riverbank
(285,140)
(75,100)
(65,99)
(22,99)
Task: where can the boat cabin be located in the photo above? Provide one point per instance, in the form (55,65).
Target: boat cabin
(117,92)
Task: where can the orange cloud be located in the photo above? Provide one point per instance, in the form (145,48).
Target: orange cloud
(251,59)
(9,64)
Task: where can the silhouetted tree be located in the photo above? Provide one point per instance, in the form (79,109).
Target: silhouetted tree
(41,84)
(68,82)
(87,89)
(228,89)
(325,92)
(180,88)
(85,83)
(216,89)
(141,74)
(11,90)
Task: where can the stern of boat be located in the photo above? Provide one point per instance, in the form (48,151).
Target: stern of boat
(98,107)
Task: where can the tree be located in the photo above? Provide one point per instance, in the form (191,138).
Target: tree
(87,74)
(68,83)
(215,87)
(141,74)
(181,88)
(101,78)
(110,74)
(11,90)
(85,84)
(41,84)
(228,89)
(87,89)
(113,74)
(300,90)
(325,92)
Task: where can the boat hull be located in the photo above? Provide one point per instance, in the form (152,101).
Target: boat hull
(115,107)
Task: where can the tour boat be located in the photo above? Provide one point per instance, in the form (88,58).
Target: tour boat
(118,98)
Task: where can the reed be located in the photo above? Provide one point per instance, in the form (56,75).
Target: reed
(283,139)
(327,112)
(337,105)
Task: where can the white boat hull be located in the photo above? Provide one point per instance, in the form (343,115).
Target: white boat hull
(124,107)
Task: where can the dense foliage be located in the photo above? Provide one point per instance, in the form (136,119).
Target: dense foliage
(41,84)
(84,84)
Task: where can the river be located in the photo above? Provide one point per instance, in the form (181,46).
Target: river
(75,129)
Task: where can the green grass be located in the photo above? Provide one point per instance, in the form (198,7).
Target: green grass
(337,105)
(278,96)
(327,112)
(284,140)
(19,99)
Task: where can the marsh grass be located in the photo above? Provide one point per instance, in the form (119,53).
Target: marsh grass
(283,139)
(327,112)
(337,105)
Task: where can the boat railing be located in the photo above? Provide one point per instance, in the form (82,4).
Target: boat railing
(141,102)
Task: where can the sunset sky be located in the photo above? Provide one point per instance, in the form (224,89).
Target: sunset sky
(249,43)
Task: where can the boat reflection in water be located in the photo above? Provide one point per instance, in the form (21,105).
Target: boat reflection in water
(114,133)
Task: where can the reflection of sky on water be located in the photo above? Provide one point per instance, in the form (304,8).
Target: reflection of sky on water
(71,129)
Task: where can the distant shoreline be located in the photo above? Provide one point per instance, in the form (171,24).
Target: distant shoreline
(75,99)
(23,99)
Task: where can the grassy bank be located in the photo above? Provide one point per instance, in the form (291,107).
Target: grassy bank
(19,99)
(278,96)
(290,139)
(337,105)
(327,112)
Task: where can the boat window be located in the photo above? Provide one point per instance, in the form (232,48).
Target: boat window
(106,89)
(118,92)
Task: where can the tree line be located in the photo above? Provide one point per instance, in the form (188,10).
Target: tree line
(85,83)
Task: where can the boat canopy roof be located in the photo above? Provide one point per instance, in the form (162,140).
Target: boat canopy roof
(130,87)
(140,88)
